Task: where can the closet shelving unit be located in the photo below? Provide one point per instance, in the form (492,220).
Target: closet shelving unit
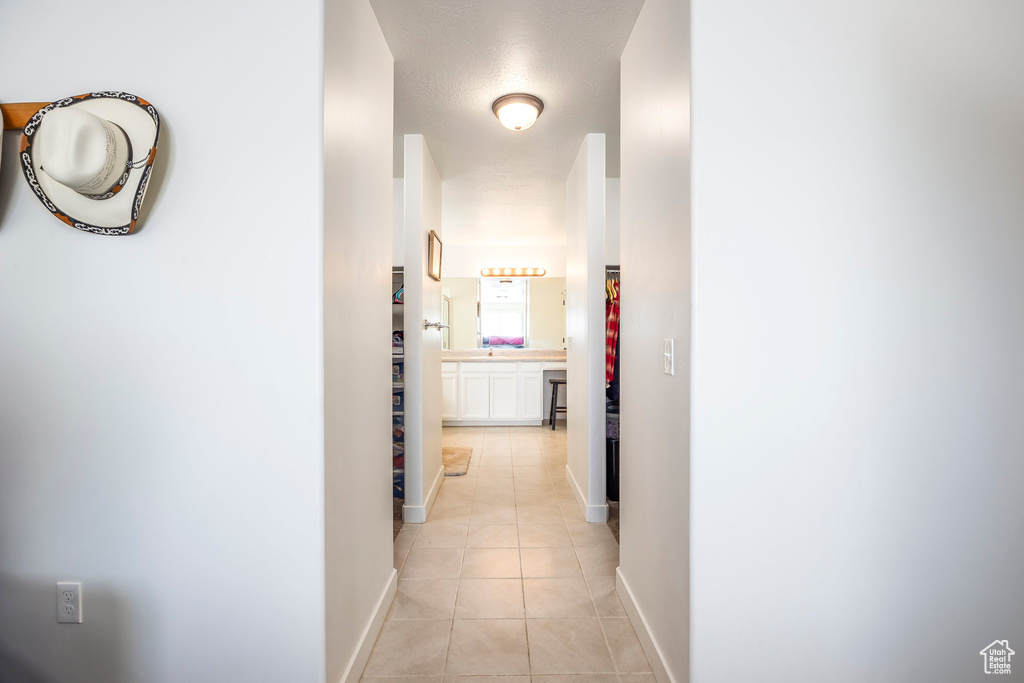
(397,386)
(612,417)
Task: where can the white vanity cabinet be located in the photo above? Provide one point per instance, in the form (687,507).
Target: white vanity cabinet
(449,391)
(474,394)
(493,392)
(504,396)
(531,391)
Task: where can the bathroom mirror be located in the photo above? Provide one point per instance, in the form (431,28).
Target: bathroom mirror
(506,313)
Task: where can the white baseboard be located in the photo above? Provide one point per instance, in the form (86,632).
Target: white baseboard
(417,514)
(491,423)
(435,488)
(591,513)
(355,667)
(643,631)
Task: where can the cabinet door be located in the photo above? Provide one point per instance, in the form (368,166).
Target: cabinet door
(474,397)
(531,396)
(504,397)
(449,396)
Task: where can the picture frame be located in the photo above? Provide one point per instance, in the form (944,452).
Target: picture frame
(434,256)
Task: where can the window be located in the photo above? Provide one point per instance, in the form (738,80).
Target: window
(503,312)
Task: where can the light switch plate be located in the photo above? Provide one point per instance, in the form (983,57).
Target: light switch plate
(670,357)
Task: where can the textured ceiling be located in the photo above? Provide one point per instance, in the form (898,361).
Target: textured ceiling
(453,58)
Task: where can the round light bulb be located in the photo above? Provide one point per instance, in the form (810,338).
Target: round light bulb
(517,116)
(485,271)
(517,112)
(529,271)
(508,271)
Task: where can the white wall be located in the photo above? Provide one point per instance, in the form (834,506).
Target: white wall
(160,414)
(358,140)
(613,190)
(585,327)
(655,305)
(398,222)
(423,468)
(859,311)
(466,260)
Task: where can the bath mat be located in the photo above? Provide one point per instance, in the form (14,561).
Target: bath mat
(456,460)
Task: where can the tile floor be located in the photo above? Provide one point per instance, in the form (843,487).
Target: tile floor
(505,582)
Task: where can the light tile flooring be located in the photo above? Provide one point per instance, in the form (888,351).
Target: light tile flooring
(505,582)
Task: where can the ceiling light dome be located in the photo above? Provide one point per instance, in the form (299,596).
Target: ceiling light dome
(518,111)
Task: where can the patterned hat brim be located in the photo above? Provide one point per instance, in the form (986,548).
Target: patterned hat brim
(116,212)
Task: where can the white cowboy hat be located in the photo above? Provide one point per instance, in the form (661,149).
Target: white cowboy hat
(88,159)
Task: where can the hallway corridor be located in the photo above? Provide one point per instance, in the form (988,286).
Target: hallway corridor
(505,582)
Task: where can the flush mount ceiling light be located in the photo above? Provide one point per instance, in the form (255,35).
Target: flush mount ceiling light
(518,111)
(513,272)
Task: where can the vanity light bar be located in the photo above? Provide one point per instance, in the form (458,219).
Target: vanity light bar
(513,272)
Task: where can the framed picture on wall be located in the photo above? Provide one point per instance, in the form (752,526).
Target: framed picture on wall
(434,256)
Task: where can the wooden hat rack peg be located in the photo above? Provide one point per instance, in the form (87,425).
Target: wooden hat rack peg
(17,114)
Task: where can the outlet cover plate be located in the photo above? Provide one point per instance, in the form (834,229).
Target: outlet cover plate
(69,602)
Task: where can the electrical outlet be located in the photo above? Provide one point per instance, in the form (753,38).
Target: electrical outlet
(670,357)
(69,602)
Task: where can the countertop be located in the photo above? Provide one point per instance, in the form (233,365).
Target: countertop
(503,355)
